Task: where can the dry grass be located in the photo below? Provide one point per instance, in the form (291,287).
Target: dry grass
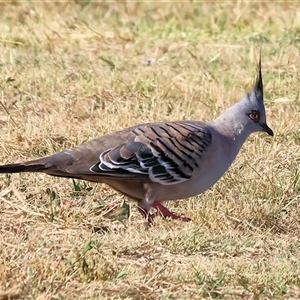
(74,71)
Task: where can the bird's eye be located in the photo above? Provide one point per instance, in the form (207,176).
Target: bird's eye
(254,115)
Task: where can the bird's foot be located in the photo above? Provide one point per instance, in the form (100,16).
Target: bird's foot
(163,211)
(160,211)
(148,217)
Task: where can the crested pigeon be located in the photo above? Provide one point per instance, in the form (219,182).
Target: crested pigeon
(155,162)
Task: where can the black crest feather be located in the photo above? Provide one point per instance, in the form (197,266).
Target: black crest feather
(259,88)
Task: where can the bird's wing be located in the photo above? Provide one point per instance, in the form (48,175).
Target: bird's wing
(167,153)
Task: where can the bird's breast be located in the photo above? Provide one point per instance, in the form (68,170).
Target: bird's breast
(212,166)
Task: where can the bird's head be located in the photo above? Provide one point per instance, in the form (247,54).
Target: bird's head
(247,115)
(251,108)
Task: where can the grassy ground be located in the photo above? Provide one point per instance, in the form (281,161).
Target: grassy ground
(74,71)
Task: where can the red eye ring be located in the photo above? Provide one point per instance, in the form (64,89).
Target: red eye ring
(254,115)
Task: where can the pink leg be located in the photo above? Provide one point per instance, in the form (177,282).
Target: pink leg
(160,209)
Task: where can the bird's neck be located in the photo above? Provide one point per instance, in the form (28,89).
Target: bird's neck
(229,125)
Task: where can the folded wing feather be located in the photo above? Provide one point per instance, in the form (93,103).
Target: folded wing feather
(168,152)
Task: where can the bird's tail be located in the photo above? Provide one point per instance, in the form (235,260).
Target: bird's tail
(55,165)
(39,165)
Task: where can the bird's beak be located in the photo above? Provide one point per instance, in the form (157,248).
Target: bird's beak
(267,129)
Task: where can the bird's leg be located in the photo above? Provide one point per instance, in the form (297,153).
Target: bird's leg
(146,214)
(162,210)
